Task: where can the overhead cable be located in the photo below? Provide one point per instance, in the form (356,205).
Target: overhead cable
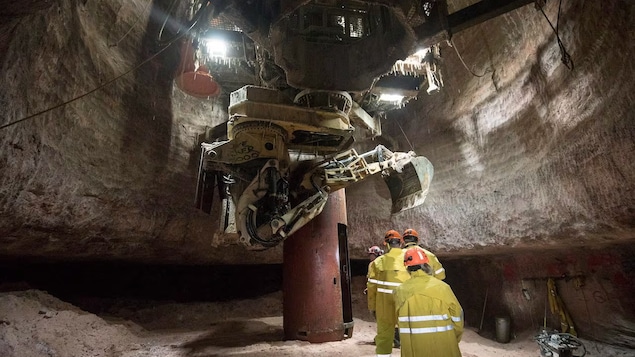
(176,38)
(564,55)
(489,70)
(132,26)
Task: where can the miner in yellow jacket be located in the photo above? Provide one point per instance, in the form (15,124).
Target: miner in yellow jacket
(384,275)
(430,316)
(411,240)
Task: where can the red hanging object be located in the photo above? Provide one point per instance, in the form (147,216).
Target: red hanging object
(197,82)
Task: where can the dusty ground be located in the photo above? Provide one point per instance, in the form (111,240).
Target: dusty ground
(36,324)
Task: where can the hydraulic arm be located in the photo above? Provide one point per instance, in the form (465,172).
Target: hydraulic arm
(281,159)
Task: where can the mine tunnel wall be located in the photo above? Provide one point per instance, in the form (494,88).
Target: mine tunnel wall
(596,285)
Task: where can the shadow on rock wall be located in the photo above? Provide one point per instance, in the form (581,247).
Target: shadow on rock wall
(149,119)
(596,287)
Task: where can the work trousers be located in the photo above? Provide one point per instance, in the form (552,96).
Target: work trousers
(386,322)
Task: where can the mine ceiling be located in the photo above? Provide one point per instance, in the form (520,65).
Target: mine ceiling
(525,110)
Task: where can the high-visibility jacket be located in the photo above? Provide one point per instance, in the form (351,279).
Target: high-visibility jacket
(430,317)
(437,267)
(385,274)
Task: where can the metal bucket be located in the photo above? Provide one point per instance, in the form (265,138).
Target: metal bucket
(409,187)
(503,329)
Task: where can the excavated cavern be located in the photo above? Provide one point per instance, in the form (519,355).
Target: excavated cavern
(107,197)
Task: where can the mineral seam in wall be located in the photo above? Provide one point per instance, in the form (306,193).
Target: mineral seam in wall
(596,286)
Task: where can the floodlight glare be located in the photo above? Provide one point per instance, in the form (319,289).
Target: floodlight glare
(385,97)
(216,47)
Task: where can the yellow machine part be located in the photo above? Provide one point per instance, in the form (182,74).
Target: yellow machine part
(557,308)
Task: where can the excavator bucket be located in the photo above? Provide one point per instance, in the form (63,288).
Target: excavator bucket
(409,187)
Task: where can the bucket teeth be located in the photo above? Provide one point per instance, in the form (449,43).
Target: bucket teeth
(409,187)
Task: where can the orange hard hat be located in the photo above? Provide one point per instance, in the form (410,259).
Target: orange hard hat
(375,250)
(415,256)
(410,233)
(392,234)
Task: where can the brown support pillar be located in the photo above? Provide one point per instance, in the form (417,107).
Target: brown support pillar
(311,286)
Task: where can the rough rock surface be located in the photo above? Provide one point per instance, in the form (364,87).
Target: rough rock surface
(36,324)
(530,154)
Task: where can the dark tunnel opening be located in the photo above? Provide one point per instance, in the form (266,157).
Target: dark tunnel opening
(96,286)
(594,284)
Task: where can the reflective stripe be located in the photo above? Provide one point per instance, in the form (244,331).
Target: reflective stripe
(439,271)
(384,355)
(387,283)
(424,318)
(386,291)
(456,319)
(426,329)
